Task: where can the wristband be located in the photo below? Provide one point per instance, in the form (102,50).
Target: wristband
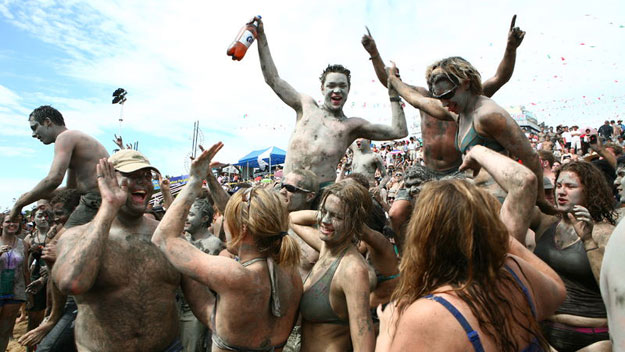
(592,249)
(397,99)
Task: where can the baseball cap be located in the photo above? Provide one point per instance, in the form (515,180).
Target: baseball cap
(128,160)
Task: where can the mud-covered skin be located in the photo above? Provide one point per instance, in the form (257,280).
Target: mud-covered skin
(129,310)
(439,151)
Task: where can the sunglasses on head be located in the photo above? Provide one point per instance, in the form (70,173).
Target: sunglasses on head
(448,94)
(293,189)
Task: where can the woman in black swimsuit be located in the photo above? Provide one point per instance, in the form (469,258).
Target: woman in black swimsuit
(466,283)
(574,249)
(256,298)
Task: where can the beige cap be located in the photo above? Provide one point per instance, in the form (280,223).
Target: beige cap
(128,160)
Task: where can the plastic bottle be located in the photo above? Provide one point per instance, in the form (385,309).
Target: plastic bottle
(243,40)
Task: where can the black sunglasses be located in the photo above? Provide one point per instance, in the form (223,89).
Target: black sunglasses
(448,94)
(293,189)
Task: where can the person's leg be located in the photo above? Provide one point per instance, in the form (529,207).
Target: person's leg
(8,313)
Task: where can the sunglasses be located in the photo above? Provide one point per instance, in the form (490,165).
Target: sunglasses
(293,189)
(448,94)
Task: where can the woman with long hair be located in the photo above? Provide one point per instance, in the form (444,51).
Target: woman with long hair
(335,304)
(574,249)
(13,275)
(466,283)
(257,297)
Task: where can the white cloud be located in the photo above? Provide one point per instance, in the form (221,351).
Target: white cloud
(16,151)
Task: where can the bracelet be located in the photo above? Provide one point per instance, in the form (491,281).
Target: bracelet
(397,99)
(592,249)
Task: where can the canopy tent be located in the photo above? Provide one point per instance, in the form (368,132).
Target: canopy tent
(262,157)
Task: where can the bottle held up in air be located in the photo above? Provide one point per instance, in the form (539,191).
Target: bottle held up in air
(243,40)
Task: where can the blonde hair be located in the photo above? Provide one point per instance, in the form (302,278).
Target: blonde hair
(459,67)
(264,215)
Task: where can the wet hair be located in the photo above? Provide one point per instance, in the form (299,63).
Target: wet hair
(337,69)
(205,208)
(455,237)
(46,111)
(356,203)
(461,69)
(597,193)
(309,180)
(69,197)
(547,156)
(262,212)
(376,218)
(359,178)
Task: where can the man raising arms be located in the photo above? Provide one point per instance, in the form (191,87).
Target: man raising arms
(123,285)
(366,162)
(75,153)
(323,133)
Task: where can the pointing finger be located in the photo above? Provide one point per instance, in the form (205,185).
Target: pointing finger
(513,22)
(368,33)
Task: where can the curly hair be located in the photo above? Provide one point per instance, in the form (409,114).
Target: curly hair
(461,69)
(46,111)
(69,198)
(337,69)
(598,196)
(455,237)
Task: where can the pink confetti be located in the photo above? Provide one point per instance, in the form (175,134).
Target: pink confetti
(582,43)
(583,96)
(533,103)
(615,81)
(555,76)
(561,58)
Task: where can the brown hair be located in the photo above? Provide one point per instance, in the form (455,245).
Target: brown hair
(455,237)
(459,67)
(264,215)
(547,156)
(356,204)
(597,193)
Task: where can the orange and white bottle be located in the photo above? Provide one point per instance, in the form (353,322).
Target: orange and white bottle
(243,40)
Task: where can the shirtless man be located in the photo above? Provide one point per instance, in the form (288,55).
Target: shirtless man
(123,285)
(613,286)
(75,153)
(440,154)
(366,162)
(323,133)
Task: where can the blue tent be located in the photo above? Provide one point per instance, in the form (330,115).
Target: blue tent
(271,155)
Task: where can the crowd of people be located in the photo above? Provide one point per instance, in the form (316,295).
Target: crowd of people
(478,236)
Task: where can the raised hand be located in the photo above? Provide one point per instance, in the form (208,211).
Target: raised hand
(582,222)
(162,182)
(515,35)
(112,193)
(200,167)
(469,163)
(261,26)
(118,141)
(369,44)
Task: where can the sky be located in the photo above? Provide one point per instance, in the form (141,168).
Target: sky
(171,58)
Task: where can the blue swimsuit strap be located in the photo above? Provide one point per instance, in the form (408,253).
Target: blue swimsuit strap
(473,336)
(523,288)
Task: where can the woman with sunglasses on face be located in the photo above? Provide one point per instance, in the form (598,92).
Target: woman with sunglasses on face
(481,121)
(13,276)
(335,304)
(257,297)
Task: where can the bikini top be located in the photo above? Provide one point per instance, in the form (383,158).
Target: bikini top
(473,335)
(276,310)
(315,304)
(472,138)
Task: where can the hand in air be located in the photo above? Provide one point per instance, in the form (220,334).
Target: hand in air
(369,44)
(163,183)
(118,141)
(200,167)
(261,26)
(469,163)
(582,222)
(112,193)
(515,35)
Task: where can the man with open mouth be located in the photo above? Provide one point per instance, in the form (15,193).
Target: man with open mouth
(323,132)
